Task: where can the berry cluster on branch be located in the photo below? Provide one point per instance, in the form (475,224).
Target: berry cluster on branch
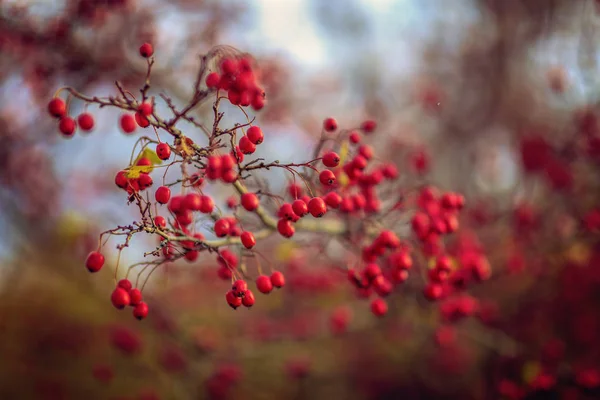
(343,191)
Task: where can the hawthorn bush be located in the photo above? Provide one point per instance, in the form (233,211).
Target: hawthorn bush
(360,192)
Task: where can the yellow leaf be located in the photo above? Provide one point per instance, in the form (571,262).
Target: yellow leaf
(134,172)
(431,263)
(343,152)
(531,369)
(285,251)
(578,253)
(150,155)
(343,179)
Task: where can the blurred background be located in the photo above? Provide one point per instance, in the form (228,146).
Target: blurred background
(498,99)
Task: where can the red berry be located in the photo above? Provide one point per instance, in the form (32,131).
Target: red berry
(277,279)
(359,162)
(247,146)
(264,284)
(250,201)
(286,211)
(145,181)
(331,159)
(224,273)
(248,299)
(248,239)
(295,190)
(366,151)
(433,291)
(339,320)
(330,124)
(192,201)
(372,271)
(258,102)
(86,121)
(185,217)
(227,162)
(144,162)
(327,177)
(299,208)
(135,296)
(125,284)
(333,200)
(229,176)
(207,205)
(237,154)
(163,195)
(57,107)
(128,123)
(176,205)
(159,221)
(234,97)
(401,260)
(121,179)
(444,263)
(140,311)
(222,227)
(67,126)
(146,50)
(120,298)
(421,224)
(317,207)
(239,287)
(212,80)
(285,228)
(389,171)
(141,120)
(379,307)
(232,202)
(368,126)
(354,137)
(94,261)
(145,109)
(229,66)
(163,151)
(399,275)
(233,300)
(255,135)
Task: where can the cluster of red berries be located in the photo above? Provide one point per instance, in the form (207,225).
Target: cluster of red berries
(237,77)
(253,137)
(437,216)
(68,125)
(359,193)
(539,157)
(222,167)
(240,294)
(85,121)
(129,123)
(348,183)
(373,278)
(459,307)
(134,185)
(126,295)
